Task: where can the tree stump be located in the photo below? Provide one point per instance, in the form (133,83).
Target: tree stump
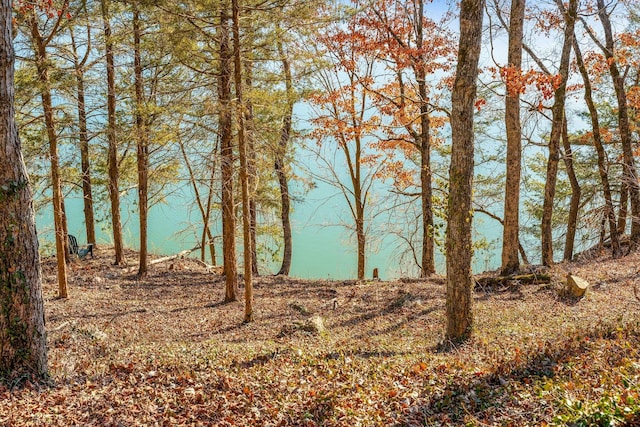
(576,286)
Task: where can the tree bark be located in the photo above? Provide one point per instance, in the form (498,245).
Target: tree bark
(358,205)
(279,165)
(602,156)
(354,166)
(574,206)
(631,175)
(250,137)
(207,216)
(142,145)
(87,191)
(556,134)
(623,208)
(40,50)
(359,200)
(510,260)
(226,161)
(244,168)
(458,241)
(112,160)
(361,237)
(427,267)
(23,346)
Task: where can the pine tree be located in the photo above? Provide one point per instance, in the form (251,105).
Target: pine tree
(23,348)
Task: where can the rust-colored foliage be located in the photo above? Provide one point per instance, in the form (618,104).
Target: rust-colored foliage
(520,81)
(50,7)
(390,31)
(342,117)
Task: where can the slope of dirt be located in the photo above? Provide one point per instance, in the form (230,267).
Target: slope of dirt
(165,351)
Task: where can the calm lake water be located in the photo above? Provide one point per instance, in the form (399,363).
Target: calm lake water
(320,250)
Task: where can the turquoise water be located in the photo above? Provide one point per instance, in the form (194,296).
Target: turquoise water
(320,250)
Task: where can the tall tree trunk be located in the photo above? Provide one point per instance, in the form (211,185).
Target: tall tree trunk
(112,160)
(510,242)
(142,137)
(244,168)
(631,175)
(427,267)
(250,137)
(359,199)
(458,240)
(357,207)
(574,206)
(206,238)
(623,209)
(65,228)
(361,237)
(279,165)
(421,138)
(226,160)
(602,156)
(207,216)
(40,49)
(556,134)
(87,192)
(23,345)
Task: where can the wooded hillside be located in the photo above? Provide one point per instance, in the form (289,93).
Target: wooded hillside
(165,350)
(423,118)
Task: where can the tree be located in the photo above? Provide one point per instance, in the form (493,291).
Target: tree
(227,158)
(630,172)
(557,125)
(113,167)
(458,241)
(79,66)
(602,155)
(293,21)
(344,120)
(248,120)
(574,206)
(261,119)
(428,260)
(510,241)
(244,167)
(204,206)
(546,83)
(142,136)
(400,34)
(279,163)
(23,348)
(40,43)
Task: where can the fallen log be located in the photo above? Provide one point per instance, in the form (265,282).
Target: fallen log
(215,269)
(529,279)
(171,257)
(179,255)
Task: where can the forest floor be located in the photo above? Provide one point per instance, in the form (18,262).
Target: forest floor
(166,351)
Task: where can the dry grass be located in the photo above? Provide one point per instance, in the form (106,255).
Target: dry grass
(165,351)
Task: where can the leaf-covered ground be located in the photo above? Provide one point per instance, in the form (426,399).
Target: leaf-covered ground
(166,351)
